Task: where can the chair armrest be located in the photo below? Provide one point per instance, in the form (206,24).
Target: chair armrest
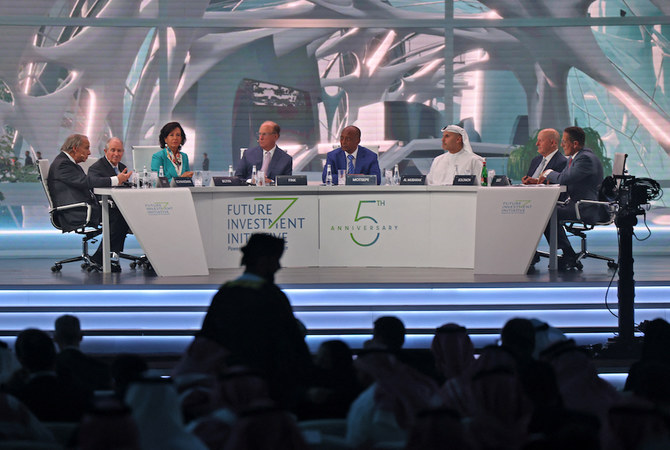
(73,206)
(612,207)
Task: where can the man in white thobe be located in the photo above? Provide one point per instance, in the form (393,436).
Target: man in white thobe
(458,158)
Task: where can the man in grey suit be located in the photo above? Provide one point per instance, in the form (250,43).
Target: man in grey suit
(267,157)
(582,177)
(109,172)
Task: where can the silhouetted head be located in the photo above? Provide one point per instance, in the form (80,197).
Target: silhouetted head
(261,255)
(35,350)
(519,336)
(67,331)
(390,332)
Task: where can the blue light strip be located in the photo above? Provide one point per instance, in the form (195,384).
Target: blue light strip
(522,296)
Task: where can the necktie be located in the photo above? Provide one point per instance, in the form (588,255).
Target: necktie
(266,162)
(350,164)
(540,168)
(570,161)
(116,170)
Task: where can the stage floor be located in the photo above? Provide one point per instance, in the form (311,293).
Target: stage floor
(35,272)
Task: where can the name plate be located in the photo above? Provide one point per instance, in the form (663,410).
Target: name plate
(163,182)
(413,180)
(465,180)
(500,180)
(360,180)
(181,182)
(227,181)
(291,180)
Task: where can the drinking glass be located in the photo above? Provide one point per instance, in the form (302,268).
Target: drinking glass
(341,177)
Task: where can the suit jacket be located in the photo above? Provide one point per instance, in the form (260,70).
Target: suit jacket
(99,175)
(101,172)
(582,178)
(160,158)
(280,164)
(366,163)
(557,163)
(68,184)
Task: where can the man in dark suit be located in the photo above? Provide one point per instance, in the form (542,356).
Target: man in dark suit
(109,172)
(69,184)
(267,157)
(549,156)
(71,361)
(351,157)
(582,177)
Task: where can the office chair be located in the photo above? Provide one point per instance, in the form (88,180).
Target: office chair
(579,228)
(88,233)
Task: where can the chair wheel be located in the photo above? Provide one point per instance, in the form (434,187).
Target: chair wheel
(612,265)
(133,265)
(85,265)
(56,268)
(579,265)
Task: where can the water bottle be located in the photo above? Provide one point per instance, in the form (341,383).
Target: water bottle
(253,174)
(145,178)
(329,176)
(485,175)
(396,176)
(230,170)
(160,172)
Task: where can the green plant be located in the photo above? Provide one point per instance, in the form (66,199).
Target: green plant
(596,144)
(520,157)
(11,168)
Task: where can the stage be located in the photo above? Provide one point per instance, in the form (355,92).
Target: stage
(135,311)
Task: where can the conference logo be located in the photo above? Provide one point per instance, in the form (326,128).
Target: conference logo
(366,229)
(516,207)
(158,208)
(262,215)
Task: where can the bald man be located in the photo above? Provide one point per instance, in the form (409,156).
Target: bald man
(351,157)
(109,172)
(266,156)
(549,157)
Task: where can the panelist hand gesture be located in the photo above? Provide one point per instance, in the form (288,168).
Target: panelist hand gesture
(187,174)
(529,180)
(124,176)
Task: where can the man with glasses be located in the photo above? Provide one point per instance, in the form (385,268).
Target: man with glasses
(267,157)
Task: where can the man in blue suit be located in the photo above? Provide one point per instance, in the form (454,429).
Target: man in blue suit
(549,157)
(351,157)
(267,157)
(582,177)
